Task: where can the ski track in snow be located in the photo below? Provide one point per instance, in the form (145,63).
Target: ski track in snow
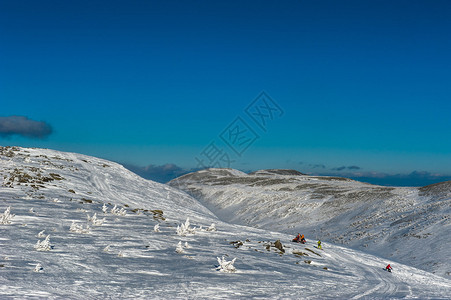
(141,263)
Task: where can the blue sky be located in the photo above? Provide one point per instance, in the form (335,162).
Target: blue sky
(361,84)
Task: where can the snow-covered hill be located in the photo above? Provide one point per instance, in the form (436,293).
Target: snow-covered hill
(84,228)
(407,224)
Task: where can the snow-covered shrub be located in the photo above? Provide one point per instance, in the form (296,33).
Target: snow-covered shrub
(38,268)
(187,246)
(212,227)
(95,221)
(156,228)
(44,245)
(41,234)
(226,266)
(118,212)
(79,228)
(120,254)
(6,217)
(107,248)
(185,229)
(73,227)
(179,248)
(104,208)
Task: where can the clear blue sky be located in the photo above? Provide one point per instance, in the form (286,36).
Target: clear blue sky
(362,84)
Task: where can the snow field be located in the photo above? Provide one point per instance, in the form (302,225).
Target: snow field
(124,257)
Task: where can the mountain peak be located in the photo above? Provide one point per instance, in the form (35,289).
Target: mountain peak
(289,172)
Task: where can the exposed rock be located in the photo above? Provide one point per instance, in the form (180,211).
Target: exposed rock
(279,246)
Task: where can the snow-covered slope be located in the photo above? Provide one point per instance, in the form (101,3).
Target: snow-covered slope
(408,224)
(131,248)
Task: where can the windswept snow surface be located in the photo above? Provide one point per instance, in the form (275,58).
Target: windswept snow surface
(124,257)
(411,225)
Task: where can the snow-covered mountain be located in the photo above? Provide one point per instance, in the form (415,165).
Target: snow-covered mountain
(411,225)
(79,227)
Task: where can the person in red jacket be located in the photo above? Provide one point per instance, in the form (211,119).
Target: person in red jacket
(297,238)
(388,268)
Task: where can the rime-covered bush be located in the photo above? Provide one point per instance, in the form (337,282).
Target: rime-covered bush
(104,208)
(212,227)
(226,266)
(118,212)
(6,217)
(79,228)
(94,221)
(44,245)
(41,234)
(185,229)
(38,268)
(156,228)
(179,248)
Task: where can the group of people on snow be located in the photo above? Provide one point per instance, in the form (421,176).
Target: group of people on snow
(301,239)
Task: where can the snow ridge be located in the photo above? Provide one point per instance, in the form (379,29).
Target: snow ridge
(387,221)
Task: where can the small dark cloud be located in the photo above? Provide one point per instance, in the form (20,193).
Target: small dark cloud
(20,125)
(352,168)
(159,173)
(339,168)
(317,166)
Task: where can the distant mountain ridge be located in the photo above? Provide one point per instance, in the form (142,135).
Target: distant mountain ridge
(389,221)
(277,172)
